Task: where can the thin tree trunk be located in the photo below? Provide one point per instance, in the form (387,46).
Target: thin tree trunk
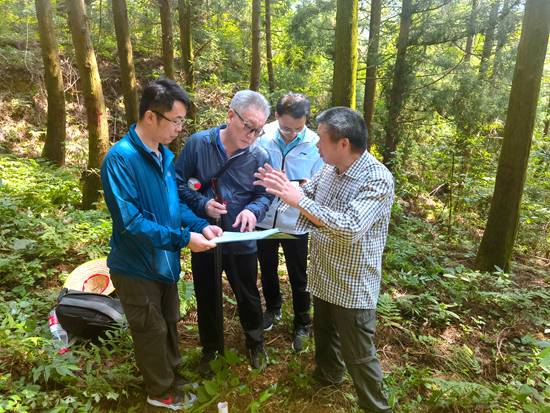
(345,56)
(489,38)
(165,7)
(502,226)
(185,8)
(100,25)
(547,123)
(502,38)
(255,70)
(128,74)
(372,65)
(269,56)
(54,147)
(94,102)
(400,75)
(471,33)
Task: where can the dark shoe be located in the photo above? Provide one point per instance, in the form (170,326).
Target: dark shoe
(204,363)
(323,380)
(269,318)
(301,335)
(258,358)
(173,398)
(182,382)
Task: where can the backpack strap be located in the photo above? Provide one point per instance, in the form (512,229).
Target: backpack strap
(101,307)
(207,185)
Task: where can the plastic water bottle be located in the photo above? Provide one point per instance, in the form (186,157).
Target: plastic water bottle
(194,184)
(58,332)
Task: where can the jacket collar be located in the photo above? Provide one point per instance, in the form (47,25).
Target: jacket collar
(167,155)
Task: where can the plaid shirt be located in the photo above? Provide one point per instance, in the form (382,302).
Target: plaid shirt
(345,265)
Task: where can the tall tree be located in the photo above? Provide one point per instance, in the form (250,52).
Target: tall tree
(471,33)
(372,64)
(345,55)
(400,74)
(54,147)
(165,7)
(502,226)
(185,8)
(256,57)
(94,102)
(128,74)
(547,121)
(269,53)
(489,39)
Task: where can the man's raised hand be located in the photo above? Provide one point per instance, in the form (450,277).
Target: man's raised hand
(277,183)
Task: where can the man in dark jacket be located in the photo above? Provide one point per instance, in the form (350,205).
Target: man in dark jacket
(203,155)
(140,190)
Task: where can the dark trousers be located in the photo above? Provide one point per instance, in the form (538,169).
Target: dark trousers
(295,251)
(344,337)
(250,305)
(152,311)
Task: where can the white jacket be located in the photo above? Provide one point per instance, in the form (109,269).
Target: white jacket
(302,161)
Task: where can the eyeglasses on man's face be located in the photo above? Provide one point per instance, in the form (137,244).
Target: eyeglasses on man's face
(250,129)
(175,124)
(286,131)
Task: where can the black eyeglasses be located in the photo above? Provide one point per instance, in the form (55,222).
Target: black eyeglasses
(250,129)
(175,124)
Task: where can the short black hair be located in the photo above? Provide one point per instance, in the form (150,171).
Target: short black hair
(160,96)
(341,122)
(294,104)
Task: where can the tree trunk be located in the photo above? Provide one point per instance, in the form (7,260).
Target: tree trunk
(345,54)
(54,147)
(255,70)
(400,75)
(502,226)
(471,33)
(269,55)
(98,128)
(165,7)
(489,38)
(502,38)
(372,64)
(128,74)
(547,122)
(185,8)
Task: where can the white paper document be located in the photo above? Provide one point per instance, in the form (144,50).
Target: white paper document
(250,236)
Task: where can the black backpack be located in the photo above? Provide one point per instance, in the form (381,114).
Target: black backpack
(88,315)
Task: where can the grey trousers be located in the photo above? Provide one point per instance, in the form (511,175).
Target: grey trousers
(344,337)
(152,311)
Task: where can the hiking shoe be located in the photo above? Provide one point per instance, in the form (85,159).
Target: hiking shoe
(181,382)
(301,335)
(173,398)
(269,318)
(204,363)
(258,358)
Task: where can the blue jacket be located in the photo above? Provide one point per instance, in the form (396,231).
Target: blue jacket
(202,158)
(302,161)
(147,214)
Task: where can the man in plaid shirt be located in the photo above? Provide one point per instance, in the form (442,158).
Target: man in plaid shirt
(347,207)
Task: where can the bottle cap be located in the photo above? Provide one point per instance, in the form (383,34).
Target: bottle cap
(197,185)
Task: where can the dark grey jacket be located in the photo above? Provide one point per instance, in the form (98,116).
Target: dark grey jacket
(201,158)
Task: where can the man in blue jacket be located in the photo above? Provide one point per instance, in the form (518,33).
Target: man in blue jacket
(203,156)
(292,147)
(140,190)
